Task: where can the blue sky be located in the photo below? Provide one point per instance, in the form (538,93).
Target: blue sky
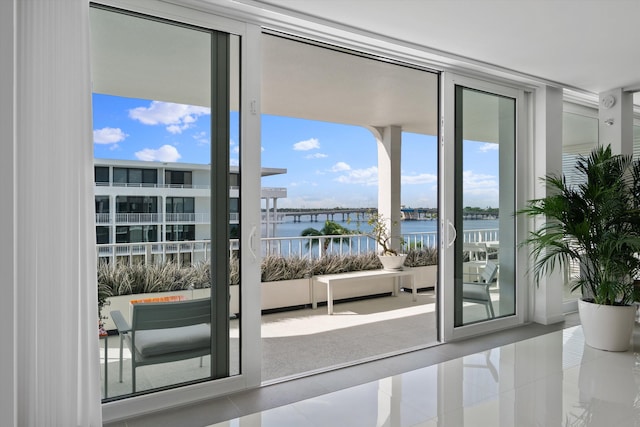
(328,164)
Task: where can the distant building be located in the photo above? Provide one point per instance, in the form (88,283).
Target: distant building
(143,202)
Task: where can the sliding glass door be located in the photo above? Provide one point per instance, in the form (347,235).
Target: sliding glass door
(480,144)
(168,248)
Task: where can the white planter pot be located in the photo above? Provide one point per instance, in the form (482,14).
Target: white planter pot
(392,262)
(607,327)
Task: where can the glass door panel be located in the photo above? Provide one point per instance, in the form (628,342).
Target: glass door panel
(162,127)
(484,206)
(481,131)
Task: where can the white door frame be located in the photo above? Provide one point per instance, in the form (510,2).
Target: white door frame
(447,331)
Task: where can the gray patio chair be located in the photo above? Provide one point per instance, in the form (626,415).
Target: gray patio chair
(478,292)
(163,332)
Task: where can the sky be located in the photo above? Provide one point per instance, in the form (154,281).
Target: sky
(328,164)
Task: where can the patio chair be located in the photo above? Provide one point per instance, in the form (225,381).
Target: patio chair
(478,292)
(163,332)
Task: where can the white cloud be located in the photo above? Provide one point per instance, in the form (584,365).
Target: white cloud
(177,117)
(201,138)
(488,147)
(480,189)
(423,178)
(367,176)
(340,167)
(472,180)
(108,135)
(309,144)
(316,156)
(166,153)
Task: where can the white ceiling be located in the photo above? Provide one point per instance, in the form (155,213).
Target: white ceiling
(542,39)
(591,45)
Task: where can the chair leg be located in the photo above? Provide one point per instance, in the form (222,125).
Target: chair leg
(489,306)
(121,344)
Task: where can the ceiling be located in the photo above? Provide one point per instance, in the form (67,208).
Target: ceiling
(145,59)
(586,45)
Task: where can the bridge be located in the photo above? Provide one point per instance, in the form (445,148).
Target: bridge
(329,214)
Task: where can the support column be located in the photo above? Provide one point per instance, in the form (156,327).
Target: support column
(275,216)
(616,120)
(546,296)
(266,218)
(389,162)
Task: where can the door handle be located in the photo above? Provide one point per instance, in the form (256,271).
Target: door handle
(251,242)
(451,230)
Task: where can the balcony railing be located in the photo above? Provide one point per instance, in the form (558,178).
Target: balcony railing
(151,185)
(311,246)
(156,218)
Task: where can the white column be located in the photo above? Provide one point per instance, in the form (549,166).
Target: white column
(546,296)
(616,120)
(389,163)
(266,220)
(275,216)
(49,362)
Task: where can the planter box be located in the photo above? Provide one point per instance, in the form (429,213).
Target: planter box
(425,277)
(285,293)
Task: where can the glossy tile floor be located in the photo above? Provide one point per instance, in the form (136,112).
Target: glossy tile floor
(529,376)
(549,380)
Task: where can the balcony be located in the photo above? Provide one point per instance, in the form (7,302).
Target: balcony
(300,340)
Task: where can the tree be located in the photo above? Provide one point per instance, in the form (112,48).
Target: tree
(331,228)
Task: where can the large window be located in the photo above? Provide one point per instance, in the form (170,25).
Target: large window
(178,233)
(180,205)
(178,178)
(137,204)
(101,174)
(136,234)
(102,204)
(135,177)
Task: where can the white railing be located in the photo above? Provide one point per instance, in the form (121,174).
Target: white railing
(156,218)
(153,251)
(307,246)
(137,218)
(199,218)
(484,235)
(145,185)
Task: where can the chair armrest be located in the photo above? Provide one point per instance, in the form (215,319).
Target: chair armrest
(119,320)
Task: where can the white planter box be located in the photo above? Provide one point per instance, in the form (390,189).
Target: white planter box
(285,293)
(425,277)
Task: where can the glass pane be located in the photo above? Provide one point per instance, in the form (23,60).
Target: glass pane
(152,119)
(485,250)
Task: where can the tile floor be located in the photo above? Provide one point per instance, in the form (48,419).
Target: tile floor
(530,376)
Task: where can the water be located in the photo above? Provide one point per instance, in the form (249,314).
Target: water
(293,229)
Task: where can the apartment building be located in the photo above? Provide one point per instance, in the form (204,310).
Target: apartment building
(145,202)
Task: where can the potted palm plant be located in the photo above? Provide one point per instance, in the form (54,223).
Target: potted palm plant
(595,224)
